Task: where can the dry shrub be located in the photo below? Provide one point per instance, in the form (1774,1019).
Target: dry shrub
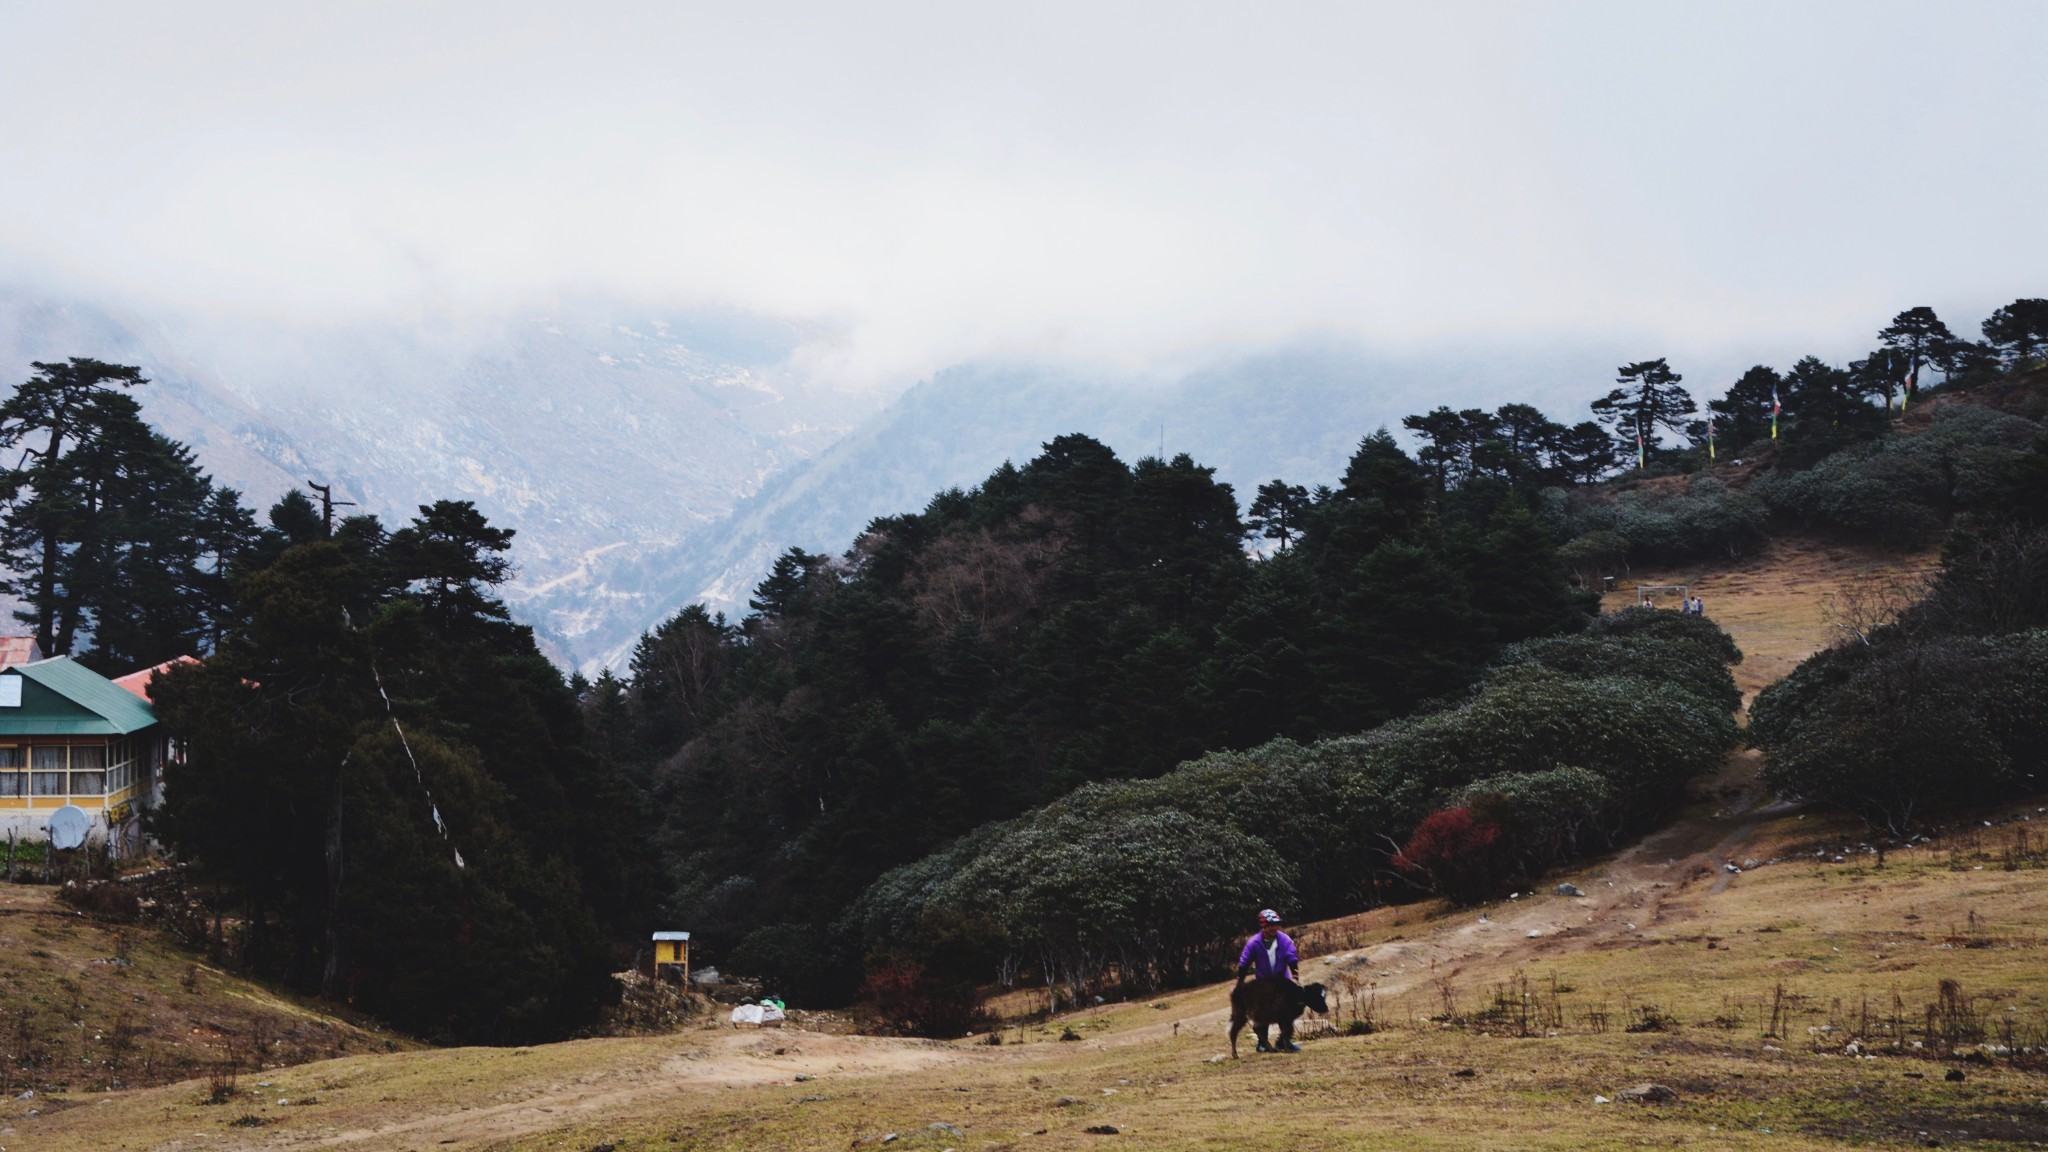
(105,899)
(221,1077)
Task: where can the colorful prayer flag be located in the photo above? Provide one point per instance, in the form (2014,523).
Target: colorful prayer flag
(1775,408)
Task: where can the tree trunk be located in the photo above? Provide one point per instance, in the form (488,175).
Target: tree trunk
(330,979)
(53,549)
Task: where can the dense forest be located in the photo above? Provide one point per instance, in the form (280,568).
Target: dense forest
(389,785)
(1067,723)
(1079,620)
(1937,694)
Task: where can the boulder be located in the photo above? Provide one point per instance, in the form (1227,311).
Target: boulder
(1648,1094)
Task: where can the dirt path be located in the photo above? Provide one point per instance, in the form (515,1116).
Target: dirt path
(464,1097)
(734,1060)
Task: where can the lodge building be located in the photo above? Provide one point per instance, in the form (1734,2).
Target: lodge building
(69,735)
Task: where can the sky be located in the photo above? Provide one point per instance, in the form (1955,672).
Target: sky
(930,183)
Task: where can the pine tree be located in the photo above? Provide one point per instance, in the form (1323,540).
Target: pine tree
(2019,331)
(1527,443)
(1585,453)
(107,534)
(452,554)
(1743,416)
(1921,336)
(1648,402)
(1277,511)
(1444,449)
(1886,373)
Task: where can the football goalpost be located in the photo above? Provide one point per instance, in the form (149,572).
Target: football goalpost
(1647,595)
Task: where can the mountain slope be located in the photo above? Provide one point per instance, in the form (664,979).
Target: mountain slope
(95,1004)
(599,432)
(1295,411)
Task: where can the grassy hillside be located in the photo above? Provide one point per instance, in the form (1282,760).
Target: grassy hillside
(87,1006)
(1756,983)
(1776,602)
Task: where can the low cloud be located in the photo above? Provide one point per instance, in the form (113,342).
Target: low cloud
(928,183)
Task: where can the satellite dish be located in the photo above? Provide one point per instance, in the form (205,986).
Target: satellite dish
(68,826)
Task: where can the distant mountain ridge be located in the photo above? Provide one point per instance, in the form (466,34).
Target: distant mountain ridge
(650,460)
(597,432)
(1295,411)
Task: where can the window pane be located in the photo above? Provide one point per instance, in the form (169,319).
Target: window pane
(11,758)
(88,783)
(13,783)
(44,758)
(88,757)
(49,783)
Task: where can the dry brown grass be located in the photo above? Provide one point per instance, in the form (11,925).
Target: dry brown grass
(1775,602)
(87,1006)
(1838,949)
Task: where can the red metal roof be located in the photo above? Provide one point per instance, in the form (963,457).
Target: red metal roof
(138,682)
(18,650)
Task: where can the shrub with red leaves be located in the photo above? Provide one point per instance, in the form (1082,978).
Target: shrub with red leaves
(1462,854)
(908,998)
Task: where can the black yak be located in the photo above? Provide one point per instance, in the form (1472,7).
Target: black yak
(1266,1002)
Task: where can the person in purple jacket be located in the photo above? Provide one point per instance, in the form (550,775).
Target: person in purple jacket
(1270,955)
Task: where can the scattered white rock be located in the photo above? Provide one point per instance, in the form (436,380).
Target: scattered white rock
(1535,932)
(1602,1100)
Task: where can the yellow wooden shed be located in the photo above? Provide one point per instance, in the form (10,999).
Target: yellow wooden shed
(672,950)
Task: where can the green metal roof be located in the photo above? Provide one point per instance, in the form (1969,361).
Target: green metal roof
(61,697)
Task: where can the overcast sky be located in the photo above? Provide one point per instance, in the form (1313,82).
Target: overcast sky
(1121,181)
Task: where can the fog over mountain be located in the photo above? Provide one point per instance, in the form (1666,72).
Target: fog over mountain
(602,433)
(668,287)
(649,460)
